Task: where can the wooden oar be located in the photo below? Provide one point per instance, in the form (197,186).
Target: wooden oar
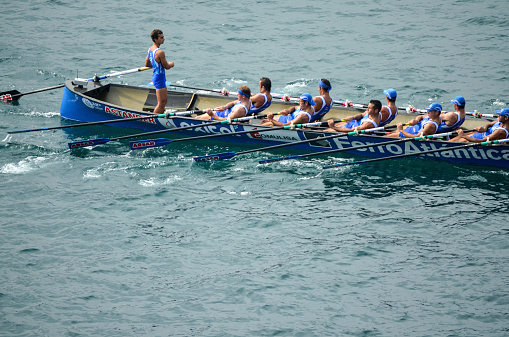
(401,140)
(97,141)
(420,153)
(165,115)
(14,95)
(143,144)
(228,155)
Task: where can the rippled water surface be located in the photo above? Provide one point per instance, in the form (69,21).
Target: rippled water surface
(111,242)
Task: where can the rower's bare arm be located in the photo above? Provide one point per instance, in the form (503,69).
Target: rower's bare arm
(162,58)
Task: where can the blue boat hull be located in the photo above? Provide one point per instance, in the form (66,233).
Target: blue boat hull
(79,107)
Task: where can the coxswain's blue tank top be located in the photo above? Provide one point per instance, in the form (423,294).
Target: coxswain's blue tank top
(158,73)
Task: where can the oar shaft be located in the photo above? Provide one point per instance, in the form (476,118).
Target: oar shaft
(224,91)
(16,96)
(93,123)
(204,124)
(119,73)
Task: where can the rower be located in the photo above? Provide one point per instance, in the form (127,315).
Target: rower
(262,100)
(495,130)
(421,126)
(232,110)
(301,115)
(453,120)
(323,101)
(370,119)
(389,111)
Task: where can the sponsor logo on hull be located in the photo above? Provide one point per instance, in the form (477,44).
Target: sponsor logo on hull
(126,114)
(470,154)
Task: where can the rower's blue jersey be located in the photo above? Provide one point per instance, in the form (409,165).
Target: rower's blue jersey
(323,110)
(227,112)
(446,128)
(390,118)
(418,127)
(355,123)
(293,115)
(496,126)
(264,106)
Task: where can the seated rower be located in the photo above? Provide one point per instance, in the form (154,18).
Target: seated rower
(389,111)
(495,130)
(262,100)
(323,101)
(301,115)
(370,119)
(421,126)
(232,110)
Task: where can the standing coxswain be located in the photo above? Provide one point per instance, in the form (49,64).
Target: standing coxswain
(157,60)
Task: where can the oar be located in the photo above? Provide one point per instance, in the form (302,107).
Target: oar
(420,153)
(223,91)
(144,144)
(14,95)
(228,155)
(402,140)
(475,113)
(97,141)
(165,115)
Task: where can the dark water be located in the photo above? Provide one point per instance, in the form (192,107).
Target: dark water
(109,242)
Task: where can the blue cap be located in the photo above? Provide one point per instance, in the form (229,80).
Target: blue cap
(459,101)
(434,107)
(308,98)
(390,93)
(503,112)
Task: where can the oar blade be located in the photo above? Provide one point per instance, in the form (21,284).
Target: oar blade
(11,95)
(145,144)
(216,156)
(89,142)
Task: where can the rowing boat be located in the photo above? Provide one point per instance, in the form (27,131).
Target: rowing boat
(92,101)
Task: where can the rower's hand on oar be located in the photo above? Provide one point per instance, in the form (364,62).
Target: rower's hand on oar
(399,126)
(331,123)
(460,132)
(270,116)
(480,129)
(209,112)
(284,112)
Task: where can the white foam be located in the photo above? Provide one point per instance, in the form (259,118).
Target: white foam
(24,166)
